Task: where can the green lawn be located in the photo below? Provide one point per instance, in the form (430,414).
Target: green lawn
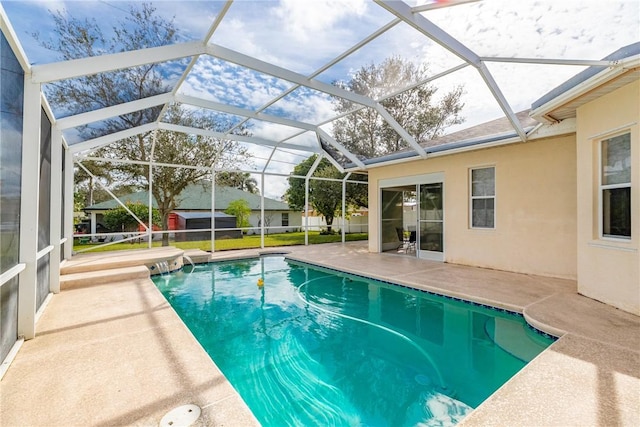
(252,241)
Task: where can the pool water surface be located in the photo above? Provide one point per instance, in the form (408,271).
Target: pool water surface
(309,346)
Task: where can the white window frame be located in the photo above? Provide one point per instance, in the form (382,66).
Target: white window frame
(602,187)
(282,216)
(472,197)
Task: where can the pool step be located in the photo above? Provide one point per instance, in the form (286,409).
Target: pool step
(93,278)
(119,259)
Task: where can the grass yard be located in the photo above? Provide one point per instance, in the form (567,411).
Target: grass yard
(252,241)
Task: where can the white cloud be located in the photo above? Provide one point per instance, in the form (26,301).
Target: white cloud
(298,35)
(306,19)
(304,105)
(542,29)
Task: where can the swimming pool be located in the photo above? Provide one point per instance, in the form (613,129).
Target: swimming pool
(309,346)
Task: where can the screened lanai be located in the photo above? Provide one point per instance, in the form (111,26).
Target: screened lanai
(273,76)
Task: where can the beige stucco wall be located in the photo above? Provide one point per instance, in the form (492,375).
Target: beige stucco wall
(535,206)
(608,269)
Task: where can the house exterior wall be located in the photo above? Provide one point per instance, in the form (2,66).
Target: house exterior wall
(535,187)
(274,219)
(608,269)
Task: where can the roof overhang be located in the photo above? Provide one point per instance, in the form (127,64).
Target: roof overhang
(562,102)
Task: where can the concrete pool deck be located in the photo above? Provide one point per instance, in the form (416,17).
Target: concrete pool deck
(116,353)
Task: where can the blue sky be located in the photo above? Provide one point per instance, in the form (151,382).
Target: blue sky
(302,36)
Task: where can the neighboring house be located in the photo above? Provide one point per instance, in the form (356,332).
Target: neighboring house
(565,204)
(356,221)
(197,198)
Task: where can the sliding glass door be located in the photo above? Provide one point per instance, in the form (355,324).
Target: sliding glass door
(391,216)
(431,221)
(412,215)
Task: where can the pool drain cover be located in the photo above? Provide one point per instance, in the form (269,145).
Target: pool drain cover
(182,416)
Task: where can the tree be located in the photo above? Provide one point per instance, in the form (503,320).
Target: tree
(327,195)
(324,196)
(366,133)
(74,38)
(177,148)
(119,219)
(85,183)
(241,210)
(240,180)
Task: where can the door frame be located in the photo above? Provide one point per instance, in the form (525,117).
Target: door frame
(416,180)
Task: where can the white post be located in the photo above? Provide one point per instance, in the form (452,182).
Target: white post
(150,218)
(56,207)
(213,209)
(29,209)
(93,221)
(344,202)
(306,210)
(262,210)
(68,203)
(306,198)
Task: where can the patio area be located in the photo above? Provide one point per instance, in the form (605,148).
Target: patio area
(117,354)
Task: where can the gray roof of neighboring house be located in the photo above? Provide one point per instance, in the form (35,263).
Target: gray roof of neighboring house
(198,197)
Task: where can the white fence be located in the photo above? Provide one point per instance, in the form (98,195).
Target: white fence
(354,224)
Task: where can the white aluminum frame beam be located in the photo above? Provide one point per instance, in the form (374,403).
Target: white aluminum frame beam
(284,74)
(551,61)
(440,5)
(194,59)
(243,112)
(311,171)
(344,204)
(219,17)
(68,202)
(62,70)
(113,111)
(429,29)
(30,200)
(401,131)
(325,67)
(502,101)
(55,212)
(13,40)
(241,138)
(140,162)
(392,94)
(453,45)
(348,154)
(113,196)
(288,75)
(95,143)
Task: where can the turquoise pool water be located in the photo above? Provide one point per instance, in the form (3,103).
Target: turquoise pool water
(317,347)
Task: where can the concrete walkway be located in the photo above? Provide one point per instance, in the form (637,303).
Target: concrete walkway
(116,353)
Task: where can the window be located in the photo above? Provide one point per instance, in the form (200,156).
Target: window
(615,186)
(483,197)
(285,219)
